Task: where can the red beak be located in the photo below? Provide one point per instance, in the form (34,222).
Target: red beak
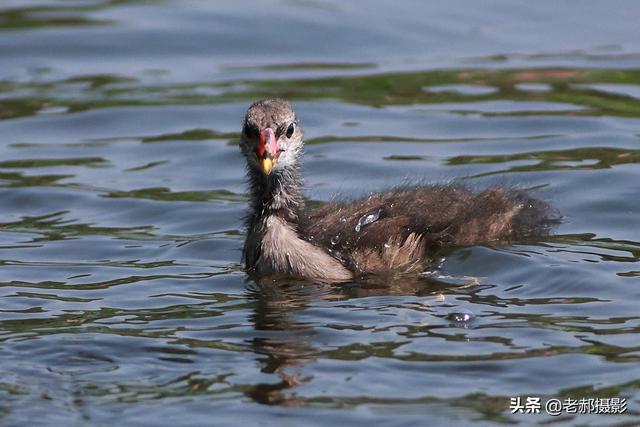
(267,150)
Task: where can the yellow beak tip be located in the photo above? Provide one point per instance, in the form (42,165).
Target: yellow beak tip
(266,165)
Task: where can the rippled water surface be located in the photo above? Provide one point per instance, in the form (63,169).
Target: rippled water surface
(122,298)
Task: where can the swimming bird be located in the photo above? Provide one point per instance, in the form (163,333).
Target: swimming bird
(388,231)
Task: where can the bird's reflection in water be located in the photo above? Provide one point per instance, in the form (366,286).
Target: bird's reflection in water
(285,342)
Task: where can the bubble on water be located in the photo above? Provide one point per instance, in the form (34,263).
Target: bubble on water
(461,315)
(335,239)
(368,218)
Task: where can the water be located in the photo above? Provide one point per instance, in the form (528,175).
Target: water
(122,300)
(461,316)
(367,219)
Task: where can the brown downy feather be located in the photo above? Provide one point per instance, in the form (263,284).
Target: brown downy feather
(414,221)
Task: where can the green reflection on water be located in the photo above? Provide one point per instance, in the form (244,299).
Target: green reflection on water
(573,159)
(103,91)
(72,14)
(165,194)
(46,163)
(191,135)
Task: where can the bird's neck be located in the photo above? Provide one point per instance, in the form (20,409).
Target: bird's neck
(279,194)
(273,243)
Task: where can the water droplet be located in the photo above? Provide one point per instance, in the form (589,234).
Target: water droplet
(335,239)
(368,218)
(343,220)
(386,245)
(461,315)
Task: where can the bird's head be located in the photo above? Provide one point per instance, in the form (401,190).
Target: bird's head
(271,139)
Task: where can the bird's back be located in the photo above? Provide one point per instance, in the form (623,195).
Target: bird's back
(398,228)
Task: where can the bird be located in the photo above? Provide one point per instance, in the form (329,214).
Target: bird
(341,240)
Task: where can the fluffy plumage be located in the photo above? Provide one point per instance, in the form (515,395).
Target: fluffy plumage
(335,242)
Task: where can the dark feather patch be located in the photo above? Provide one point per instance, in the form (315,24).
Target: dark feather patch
(438,215)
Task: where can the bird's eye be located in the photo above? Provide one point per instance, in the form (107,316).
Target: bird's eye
(290,130)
